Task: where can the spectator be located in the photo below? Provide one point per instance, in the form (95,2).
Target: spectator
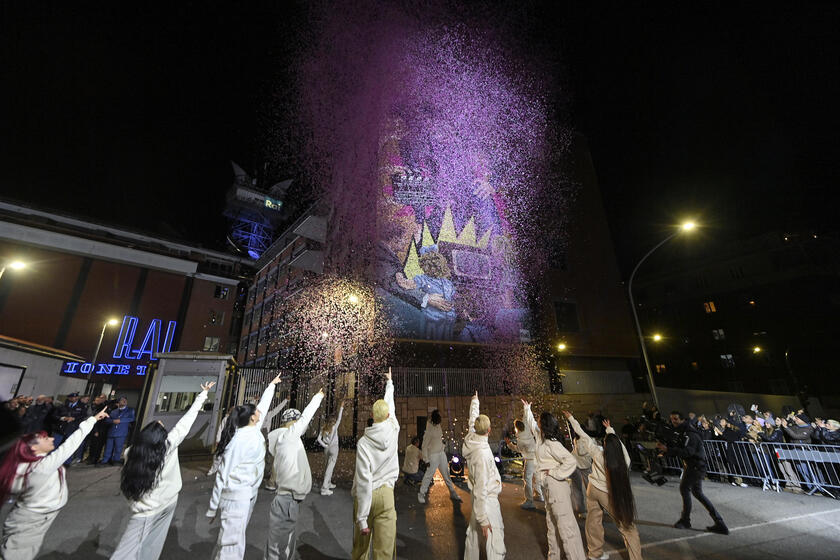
(411,463)
(828,432)
(36,415)
(67,419)
(119,423)
(800,433)
(96,439)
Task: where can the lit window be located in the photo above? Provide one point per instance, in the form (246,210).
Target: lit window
(660,368)
(727,361)
(717,334)
(709,306)
(221,292)
(695,366)
(211,343)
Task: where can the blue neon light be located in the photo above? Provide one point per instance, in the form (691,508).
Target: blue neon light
(151,342)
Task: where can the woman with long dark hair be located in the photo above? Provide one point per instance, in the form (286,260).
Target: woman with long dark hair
(434,453)
(151,481)
(242,449)
(609,489)
(33,473)
(556,465)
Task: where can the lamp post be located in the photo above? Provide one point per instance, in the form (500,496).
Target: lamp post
(105,325)
(685,227)
(14,265)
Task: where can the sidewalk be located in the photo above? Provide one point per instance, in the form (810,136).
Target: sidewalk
(765,525)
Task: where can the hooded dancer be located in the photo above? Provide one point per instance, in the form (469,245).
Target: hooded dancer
(526,446)
(328,439)
(608,489)
(294,479)
(556,465)
(435,455)
(485,485)
(242,448)
(33,472)
(377,470)
(271,483)
(151,481)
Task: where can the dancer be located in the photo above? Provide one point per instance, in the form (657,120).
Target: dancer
(35,477)
(377,470)
(328,439)
(526,446)
(294,479)
(242,448)
(608,489)
(151,481)
(270,475)
(434,454)
(485,485)
(556,464)
(217,459)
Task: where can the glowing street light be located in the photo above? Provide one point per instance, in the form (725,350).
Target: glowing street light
(756,349)
(14,265)
(561,347)
(686,227)
(108,323)
(657,337)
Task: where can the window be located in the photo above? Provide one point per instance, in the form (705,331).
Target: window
(221,292)
(252,293)
(211,343)
(727,361)
(177,393)
(709,306)
(565,313)
(232,348)
(717,334)
(695,366)
(216,317)
(660,368)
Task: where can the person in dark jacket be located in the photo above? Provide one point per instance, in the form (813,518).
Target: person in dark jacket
(96,439)
(36,415)
(693,453)
(800,432)
(119,425)
(67,419)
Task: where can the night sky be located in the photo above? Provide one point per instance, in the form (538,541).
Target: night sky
(130,114)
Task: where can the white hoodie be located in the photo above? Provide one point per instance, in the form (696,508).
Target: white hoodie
(526,444)
(377,463)
(291,466)
(552,456)
(330,440)
(483,476)
(46,487)
(243,462)
(598,478)
(168,485)
(432,440)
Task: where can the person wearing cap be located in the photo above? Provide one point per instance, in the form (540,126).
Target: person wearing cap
(119,424)
(485,484)
(68,419)
(293,478)
(800,433)
(377,470)
(270,476)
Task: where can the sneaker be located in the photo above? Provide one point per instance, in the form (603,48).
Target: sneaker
(539,498)
(270,488)
(326,492)
(743,485)
(528,505)
(421,498)
(604,556)
(682,524)
(719,527)
(331,486)
(455,497)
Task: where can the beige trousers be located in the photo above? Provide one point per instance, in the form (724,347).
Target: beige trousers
(23,533)
(382,521)
(598,501)
(561,521)
(495,543)
(235,515)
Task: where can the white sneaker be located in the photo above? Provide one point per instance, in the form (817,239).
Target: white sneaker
(331,486)
(421,498)
(538,498)
(604,556)
(326,492)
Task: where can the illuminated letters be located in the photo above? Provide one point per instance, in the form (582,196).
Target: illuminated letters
(151,342)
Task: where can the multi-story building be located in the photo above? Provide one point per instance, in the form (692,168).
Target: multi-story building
(758,315)
(157,294)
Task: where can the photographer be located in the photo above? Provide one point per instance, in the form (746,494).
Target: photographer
(691,450)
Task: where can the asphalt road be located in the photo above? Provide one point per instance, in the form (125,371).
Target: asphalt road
(764,525)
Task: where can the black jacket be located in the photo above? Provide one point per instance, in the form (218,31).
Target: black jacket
(692,450)
(35,417)
(828,437)
(78,412)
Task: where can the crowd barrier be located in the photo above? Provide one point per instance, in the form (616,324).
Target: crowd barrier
(809,468)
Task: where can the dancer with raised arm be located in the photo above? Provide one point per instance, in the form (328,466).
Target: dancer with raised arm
(485,485)
(608,489)
(242,448)
(328,439)
(527,447)
(151,481)
(294,479)
(435,455)
(33,473)
(377,470)
(556,464)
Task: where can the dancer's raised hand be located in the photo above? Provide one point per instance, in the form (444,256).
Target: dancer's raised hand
(388,375)
(102,414)
(525,403)
(276,380)
(207,386)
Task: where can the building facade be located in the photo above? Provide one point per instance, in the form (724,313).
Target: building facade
(757,315)
(158,294)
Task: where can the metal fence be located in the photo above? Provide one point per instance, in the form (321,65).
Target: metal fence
(801,467)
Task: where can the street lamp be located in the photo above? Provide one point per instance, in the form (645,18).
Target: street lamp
(657,337)
(756,349)
(14,265)
(685,227)
(561,347)
(105,325)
